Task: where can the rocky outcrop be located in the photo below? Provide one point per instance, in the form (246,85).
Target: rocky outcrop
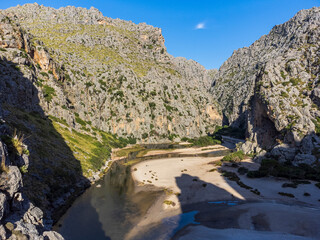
(114,74)
(19,218)
(271,88)
(68,78)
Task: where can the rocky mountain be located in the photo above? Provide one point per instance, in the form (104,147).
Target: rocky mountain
(75,84)
(114,75)
(72,82)
(272,90)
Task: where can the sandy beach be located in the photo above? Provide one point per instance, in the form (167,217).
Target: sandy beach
(188,181)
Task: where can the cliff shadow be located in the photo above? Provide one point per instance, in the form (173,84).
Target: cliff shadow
(54,176)
(195,210)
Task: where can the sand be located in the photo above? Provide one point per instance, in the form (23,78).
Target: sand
(191,180)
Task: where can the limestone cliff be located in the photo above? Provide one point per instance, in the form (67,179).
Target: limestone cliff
(272,89)
(19,218)
(114,74)
(71,79)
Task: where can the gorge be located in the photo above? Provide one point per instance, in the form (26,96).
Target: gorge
(84,98)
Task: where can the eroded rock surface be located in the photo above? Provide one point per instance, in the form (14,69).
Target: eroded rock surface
(19,218)
(271,88)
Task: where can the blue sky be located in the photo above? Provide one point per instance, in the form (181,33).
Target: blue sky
(224,25)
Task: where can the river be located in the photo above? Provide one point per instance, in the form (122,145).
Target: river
(111,208)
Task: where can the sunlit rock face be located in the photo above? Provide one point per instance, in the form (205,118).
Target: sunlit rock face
(271,87)
(114,74)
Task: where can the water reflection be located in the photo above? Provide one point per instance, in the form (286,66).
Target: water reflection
(112,209)
(107,212)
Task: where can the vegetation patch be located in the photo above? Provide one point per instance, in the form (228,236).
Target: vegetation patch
(286,194)
(124,152)
(317,125)
(202,141)
(48,93)
(170,203)
(234,177)
(234,157)
(255,191)
(242,170)
(271,167)
(289,185)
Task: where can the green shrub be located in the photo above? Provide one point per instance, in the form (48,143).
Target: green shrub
(317,125)
(242,170)
(282,74)
(295,81)
(273,168)
(168,202)
(152,105)
(286,194)
(44,74)
(169,108)
(171,137)
(48,93)
(80,121)
(24,169)
(185,139)
(203,141)
(255,191)
(26,152)
(234,157)
(284,94)
(256,174)
(291,185)
(88,84)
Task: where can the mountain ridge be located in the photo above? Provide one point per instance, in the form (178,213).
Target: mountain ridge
(79,84)
(269,88)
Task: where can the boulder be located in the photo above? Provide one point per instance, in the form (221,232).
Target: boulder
(11,181)
(3,205)
(34,215)
(2,232)
(304,158)
(283,152)
(52,235)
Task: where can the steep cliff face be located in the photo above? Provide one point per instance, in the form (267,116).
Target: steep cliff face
(271,87)
(69,79)
(19,218)
(115,75)
(63,158)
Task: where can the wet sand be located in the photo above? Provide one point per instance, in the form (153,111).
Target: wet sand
(190,183)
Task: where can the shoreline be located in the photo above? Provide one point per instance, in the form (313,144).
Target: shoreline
(182,188)
(155,154)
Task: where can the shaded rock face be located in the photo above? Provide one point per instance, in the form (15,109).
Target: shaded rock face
(114,74)
(19,218)
(271,88)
